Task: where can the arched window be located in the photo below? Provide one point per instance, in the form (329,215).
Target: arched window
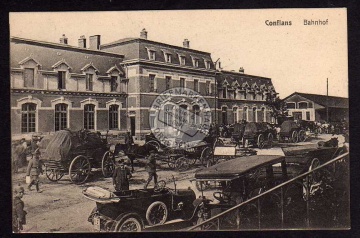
(89,116)
(60,116)
(303,105)
(245,114)
(224,115)
(196,111)
(254,114)
(235,114)
(182,115)
(113,117)
(290,105)
(28,117)
(168,115)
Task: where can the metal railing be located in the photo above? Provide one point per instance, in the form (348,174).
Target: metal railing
(215,222)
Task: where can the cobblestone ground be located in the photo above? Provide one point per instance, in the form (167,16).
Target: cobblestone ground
(62,208)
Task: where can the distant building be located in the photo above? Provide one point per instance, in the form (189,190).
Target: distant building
(313,107)
(242,97)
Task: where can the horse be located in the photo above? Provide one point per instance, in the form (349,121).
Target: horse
(133,151)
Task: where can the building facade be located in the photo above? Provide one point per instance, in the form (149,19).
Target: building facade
(57,86)
(314,107)
(154,67)
(242,97)
(111,87)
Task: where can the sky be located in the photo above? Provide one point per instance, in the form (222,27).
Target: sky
(297,57)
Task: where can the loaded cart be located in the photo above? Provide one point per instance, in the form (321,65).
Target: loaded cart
(292,131)
(76,153)
(259,134)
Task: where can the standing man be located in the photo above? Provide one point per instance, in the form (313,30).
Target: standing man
(34,169)
(19,215)
(121,174)
(151,168)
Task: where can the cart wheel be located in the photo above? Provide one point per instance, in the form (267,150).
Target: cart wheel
(313,179)
(302,136)
(270,140)
(171,162)
(294,137)
(107,164)
(206,155)
(79,169)
(157,213)
(182,164)
(154,143)
(53,174)
(260,141)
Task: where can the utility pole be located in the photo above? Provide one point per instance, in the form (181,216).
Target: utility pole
(215,93)
(327,100)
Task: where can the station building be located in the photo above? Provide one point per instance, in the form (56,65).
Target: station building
(111,87)
(315,107)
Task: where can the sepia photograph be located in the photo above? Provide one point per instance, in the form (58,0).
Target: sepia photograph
(179,120)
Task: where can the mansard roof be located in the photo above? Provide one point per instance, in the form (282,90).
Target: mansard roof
(245,80)
(49,55)
(137,48)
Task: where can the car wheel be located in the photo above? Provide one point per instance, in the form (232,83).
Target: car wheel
(260,141)
(129,223)
(157,213)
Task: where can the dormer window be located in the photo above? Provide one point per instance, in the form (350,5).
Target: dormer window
(61,79)
(113,83)
(168,58)
(29,77)
(196,62)
(151,53)
(207,64)
(182,60)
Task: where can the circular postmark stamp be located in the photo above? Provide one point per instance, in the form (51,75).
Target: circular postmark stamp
(180,117)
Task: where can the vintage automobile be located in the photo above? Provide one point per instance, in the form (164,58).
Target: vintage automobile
(134,210)
(259,134)
(76,153)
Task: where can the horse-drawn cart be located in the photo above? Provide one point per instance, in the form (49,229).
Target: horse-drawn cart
(76,153)
(292,131)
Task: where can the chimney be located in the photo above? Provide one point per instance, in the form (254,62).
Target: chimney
(241,70)
(94,42)
(82,42)
(186,43)
(64,39)
(143,34)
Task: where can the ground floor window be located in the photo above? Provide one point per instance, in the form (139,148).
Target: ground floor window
(245,114)
(89,116)
(254,114)
(308,116)
(60,116)
(114,117)
(28,117)
(235,114)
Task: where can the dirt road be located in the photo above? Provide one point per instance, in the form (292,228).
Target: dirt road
(62,208)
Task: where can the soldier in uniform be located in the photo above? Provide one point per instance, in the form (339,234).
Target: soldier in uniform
(121,174)
(151,168)
(34,169)
(19,215)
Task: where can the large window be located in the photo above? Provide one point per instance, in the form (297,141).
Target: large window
(245,113)
(290,105)
(113,83)
(224,92)
(113,117)
(28,77)
(89,82)
(168,82)
(60,116)
(303,105)
(207,88)
(168,115)
(28,117)
(152,82)
(196,111)
(235,115)
(89,116)
(61,79)
(254,114)
(308,116)
(182,83)
(196,85)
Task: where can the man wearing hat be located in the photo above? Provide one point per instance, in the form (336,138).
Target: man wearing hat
(19,215)
(34,169)
(151,168)
(121,174)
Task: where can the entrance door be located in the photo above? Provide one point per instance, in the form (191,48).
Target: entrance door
(297,115)
(132,126)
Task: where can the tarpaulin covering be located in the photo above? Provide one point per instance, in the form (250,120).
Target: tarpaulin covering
(252,128)
(59,146)
(287,126)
